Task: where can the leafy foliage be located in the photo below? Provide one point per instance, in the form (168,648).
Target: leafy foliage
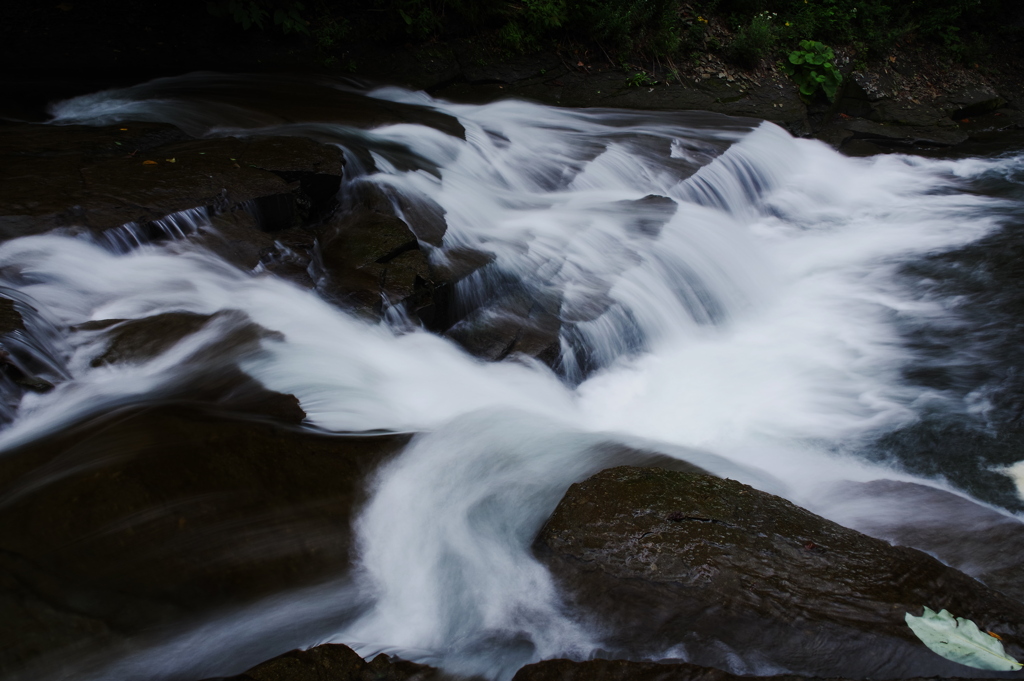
(286,14)
(959,639)
(640,79)
(648,31)
(755,41)
(812,68)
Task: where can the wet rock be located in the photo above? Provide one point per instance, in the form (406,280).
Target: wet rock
(265,100)
(774,100)
(334,662)
(982,542)
(371,259)
(10,318)
(890,135)
(101,178)
(972,101)
(904,113)
(140,340)
(27,362)
(651,213)
(146,515)
(237,238)
(515,324)
(448,267)
(33,623)
(623,670)
(679,565)
(210,371)
(423,216)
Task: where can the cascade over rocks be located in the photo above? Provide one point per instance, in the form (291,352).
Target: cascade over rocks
(673,564)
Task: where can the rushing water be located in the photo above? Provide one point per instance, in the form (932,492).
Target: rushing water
(803,322)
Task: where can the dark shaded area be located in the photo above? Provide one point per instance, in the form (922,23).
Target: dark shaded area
(624,670)
(149,514)
(104,177)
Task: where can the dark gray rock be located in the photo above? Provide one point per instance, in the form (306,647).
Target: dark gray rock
(901,112)
(897,135)
(104,177)
(664,561)
(334,662)
(149,515)
(972,101)
(870,85)
(623,670)
(371,259)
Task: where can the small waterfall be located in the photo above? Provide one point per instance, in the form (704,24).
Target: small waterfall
(180,225)
(723,293)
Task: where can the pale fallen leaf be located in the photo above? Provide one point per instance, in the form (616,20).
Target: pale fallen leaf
(959,639)
(171,160)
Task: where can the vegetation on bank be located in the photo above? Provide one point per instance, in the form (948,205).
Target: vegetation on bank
(661,29)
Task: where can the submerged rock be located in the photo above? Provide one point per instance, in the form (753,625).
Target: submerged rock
(671,564)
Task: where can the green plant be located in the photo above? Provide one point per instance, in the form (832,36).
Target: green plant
(812,69)
(755,41)
(286,14)
(640,79)
(330,33)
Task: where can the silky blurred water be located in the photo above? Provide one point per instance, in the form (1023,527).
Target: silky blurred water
(768,329)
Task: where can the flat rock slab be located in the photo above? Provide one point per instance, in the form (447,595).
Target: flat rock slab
(671,564)
(248,101)
(104,177)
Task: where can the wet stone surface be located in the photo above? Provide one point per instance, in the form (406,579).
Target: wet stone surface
(657,559)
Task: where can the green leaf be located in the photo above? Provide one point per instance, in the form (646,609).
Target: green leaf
(961,641)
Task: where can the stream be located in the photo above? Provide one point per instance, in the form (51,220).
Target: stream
(820,327)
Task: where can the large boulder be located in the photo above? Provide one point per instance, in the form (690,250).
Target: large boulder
(673,564)
(150,514)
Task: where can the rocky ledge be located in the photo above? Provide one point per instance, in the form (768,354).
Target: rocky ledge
(676,565)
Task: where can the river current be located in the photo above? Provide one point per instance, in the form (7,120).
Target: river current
(814,325)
